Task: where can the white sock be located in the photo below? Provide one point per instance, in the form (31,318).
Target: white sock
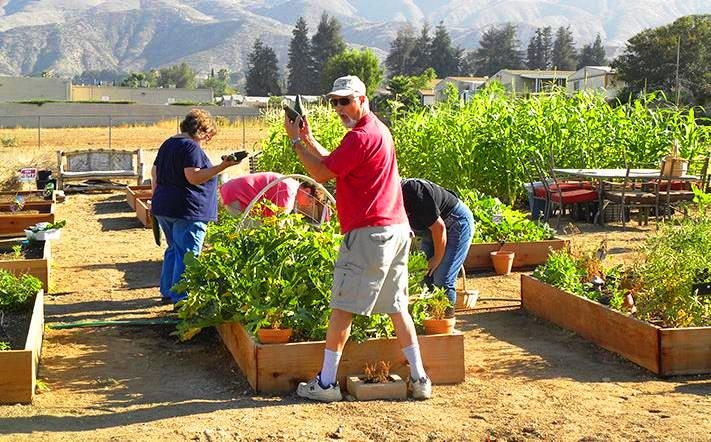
(414,358)
(330,367)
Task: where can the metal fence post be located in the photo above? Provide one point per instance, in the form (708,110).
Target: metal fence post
(39,131)
(109,131)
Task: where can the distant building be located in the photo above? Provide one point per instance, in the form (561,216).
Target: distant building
(596,77)
(427,95)
(531,81)
(465,85)
(141,95)
(34,88)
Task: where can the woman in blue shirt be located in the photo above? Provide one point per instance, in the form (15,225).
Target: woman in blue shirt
(184,200)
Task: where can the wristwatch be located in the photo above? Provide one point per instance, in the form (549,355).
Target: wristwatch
(295,141)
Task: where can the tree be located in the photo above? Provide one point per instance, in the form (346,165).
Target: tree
(564,57)
(141,79)
(362,63)
(180,76)
(219,86)
(498,49)
(421,53)
(649,61)
(540,49)
(99,77)
(399,60)
(444,58)
(262,71)
(302,76)
(404,89)
(592,54)
(326,42)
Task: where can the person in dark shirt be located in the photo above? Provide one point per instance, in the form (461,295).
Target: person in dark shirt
(445,226)
(184,200)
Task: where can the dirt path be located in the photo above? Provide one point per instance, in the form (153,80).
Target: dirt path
(525,379)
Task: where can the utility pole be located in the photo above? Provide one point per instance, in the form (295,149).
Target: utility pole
(678,43)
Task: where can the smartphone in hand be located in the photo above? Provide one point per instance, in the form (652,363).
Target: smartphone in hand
(235,156)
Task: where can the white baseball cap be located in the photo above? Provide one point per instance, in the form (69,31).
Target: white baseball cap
(347,85)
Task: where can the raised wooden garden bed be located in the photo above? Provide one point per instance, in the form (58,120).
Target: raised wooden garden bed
(143,211)
(528,254)
(18,368)
(15,223)
(278,368)
(29,196)
(38,266)
(135,192)
(664,351)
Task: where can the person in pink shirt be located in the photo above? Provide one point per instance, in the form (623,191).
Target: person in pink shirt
(370,274)
(304,198)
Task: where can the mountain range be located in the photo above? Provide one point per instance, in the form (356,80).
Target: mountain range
(71,36)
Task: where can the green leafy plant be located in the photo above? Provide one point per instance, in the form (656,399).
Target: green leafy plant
(17,250)
(497,222)
(430,304)
(4,345)
(17,291)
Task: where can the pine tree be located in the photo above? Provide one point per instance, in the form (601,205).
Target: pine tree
(592,54)
(326,42)
(565,56)
(399,59)
(498,49)
(262,71)
(422,52)
(444,58)
(540,48)
(302,75)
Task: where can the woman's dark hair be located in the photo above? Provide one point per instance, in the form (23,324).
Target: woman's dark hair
(198,122)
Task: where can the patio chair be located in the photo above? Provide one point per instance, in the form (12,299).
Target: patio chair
(562,194)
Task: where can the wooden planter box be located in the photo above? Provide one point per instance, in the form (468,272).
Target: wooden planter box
(14,224)
(134,192)
(396,389)
(528,254)
(278,368)
(39,267)
(664,351)
(30,196)
(18,368)
(143,211)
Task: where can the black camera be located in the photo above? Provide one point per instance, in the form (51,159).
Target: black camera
(235,156)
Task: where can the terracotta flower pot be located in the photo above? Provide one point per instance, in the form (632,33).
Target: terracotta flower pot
(274,335)
(502,261)
(438,326)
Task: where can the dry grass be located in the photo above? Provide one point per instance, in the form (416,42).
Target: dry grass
(28,147)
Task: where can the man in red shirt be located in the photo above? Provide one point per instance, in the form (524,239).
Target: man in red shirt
(370,275)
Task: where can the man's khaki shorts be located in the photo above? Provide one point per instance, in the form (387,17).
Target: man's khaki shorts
(371,270)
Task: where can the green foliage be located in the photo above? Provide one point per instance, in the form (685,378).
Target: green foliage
(180,76)
(302,77)
(262,71)
(8,141)
(497,222)
(430,304)
(277,154)
(593,54)
(649,61)
(4,345)
(362,63)
(278,274)
(671,263)
(17,291)
(540,49)
(478,145)
(564,56)
(498,49)
(219,86)
(327,42)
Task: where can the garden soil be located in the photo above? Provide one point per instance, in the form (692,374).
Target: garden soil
(525,379)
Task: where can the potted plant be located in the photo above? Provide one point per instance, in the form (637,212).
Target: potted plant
(430,308)
(502,260)
(274,327)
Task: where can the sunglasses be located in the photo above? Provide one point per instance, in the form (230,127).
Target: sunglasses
(345,101)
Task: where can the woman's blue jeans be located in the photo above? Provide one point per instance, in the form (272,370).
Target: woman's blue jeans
(460,229)
(182,236)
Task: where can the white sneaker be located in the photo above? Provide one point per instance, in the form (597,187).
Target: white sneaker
(421,388)
(313,390)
